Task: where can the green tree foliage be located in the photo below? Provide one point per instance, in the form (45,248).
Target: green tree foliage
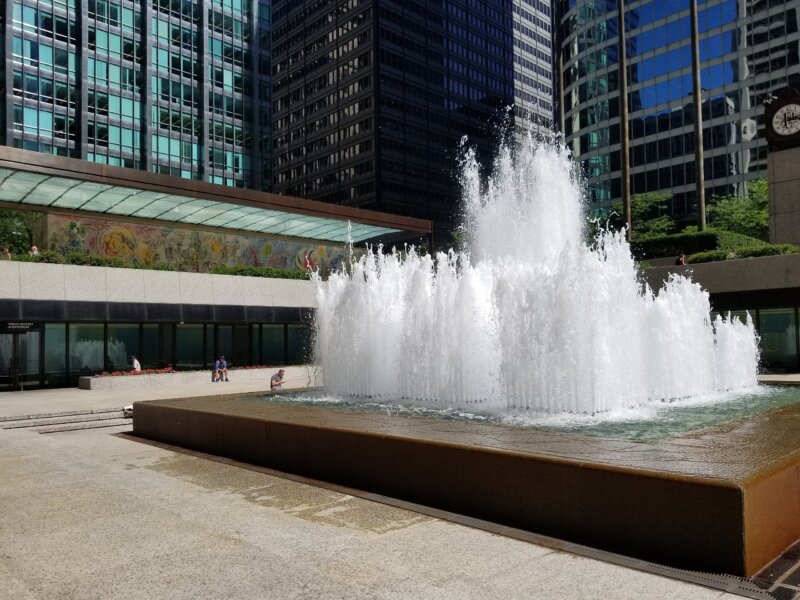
(649,215)
(748,215)
(16,229)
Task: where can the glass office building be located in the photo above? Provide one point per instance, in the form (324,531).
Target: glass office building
(748,50)
(169,86)
(371,97)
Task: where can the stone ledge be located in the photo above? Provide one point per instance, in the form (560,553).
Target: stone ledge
(296,377)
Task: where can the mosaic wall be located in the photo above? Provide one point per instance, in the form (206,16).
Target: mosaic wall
(190,250)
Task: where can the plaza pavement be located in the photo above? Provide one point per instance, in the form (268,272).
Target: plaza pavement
(97,515)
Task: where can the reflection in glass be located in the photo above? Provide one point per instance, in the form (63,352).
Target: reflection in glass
(55,354)
(29,352)
(778,331)
(6,355)
(240,348)
(224,342)
(272,350)
(189,346)
(123,345)
(299,350)
(86,343)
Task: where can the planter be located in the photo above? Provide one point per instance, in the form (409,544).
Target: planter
(296,377)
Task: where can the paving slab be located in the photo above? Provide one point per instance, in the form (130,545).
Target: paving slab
(91,514)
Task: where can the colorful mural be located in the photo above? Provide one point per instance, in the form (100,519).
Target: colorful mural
(187,249)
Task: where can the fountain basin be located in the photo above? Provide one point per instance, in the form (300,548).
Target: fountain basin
(724,499)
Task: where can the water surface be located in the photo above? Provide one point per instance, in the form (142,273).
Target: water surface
(649,422)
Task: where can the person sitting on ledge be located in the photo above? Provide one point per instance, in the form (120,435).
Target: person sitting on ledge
(220,369)
(137,366)
(681,260)
(276,381)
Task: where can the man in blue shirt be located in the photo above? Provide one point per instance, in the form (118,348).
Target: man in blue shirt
(220,369)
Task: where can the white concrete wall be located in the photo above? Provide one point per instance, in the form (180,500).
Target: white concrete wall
(742,275)
(42,281)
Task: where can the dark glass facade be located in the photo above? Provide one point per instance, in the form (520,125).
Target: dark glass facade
(371,97)
(54,354)
(748,50)
(169,86)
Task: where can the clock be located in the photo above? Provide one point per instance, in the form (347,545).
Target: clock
(786,120)
(782,120)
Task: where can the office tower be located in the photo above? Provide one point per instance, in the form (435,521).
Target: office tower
(170,86)
(533,65)
(371,97)
(748,51)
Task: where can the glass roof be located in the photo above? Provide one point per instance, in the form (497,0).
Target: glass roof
(38,189)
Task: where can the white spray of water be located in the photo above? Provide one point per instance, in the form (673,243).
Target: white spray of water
(530,318)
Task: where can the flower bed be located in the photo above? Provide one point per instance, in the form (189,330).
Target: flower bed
(142,372)
(169,369)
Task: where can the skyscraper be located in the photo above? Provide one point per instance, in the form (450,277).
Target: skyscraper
(169,86)
(371,97)
(533,64)
(748,50)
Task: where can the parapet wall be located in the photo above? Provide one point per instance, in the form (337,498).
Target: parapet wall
(37,291)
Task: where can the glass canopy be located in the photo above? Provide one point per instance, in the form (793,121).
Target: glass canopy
(37,189)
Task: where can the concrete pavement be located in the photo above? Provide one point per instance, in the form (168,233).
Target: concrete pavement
(33,402)
(89,514)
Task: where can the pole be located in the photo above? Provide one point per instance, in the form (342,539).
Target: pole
(697,98)
(623,120)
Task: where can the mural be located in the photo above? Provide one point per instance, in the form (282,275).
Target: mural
(189,250)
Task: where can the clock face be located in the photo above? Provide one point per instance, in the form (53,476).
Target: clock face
(786,120)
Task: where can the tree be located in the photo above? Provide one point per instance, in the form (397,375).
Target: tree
(649,215)
(748,215)
(16,229)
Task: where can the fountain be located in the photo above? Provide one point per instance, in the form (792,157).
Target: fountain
(530,323)
(530,318)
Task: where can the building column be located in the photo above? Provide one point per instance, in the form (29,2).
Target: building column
(204,87)
(82,110)
(256,135)
(7,99)
(147,40)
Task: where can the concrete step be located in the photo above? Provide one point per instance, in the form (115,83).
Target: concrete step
(40,422)
(87,425)
(65,413)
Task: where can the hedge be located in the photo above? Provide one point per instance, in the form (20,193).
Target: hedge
(693,243)
(249,271)
(752,252)
(673,245)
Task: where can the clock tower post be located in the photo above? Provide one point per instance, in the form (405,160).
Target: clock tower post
(782,121)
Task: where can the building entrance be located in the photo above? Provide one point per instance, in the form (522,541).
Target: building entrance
(20,360)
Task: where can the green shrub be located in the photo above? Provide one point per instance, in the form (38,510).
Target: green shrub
(736,242)
(710,256)
(79,258)
(693,243)
(673,245)
(249,271)
(48,256)
(744,252)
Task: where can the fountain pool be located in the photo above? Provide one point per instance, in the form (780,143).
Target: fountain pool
(599,412)
(656,421)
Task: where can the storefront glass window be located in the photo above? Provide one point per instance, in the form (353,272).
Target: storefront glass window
(123,345)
